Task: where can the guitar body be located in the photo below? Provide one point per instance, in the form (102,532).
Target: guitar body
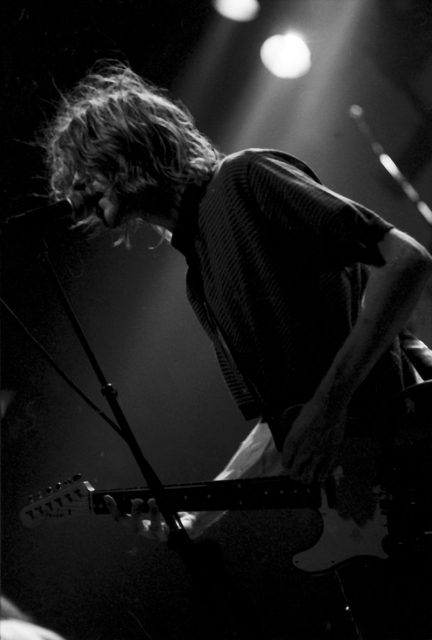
(380,497)
(353,521)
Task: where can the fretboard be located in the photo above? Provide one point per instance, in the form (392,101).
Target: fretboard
(255,493)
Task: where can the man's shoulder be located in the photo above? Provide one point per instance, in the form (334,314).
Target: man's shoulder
(255,154)
(239,159)
(234,167)
(263,158)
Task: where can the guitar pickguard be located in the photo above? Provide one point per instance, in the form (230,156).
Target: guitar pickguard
(343,539)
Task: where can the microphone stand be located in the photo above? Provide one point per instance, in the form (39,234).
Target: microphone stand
(178,536)
(203,559)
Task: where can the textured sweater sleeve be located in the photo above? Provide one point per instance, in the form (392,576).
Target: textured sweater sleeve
(331,226)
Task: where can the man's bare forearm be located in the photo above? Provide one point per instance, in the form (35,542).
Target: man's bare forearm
(391,295)
(312,445)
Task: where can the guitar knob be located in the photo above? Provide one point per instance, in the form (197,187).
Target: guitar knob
(31,498)
(77,476)
(49,489)
(58,485)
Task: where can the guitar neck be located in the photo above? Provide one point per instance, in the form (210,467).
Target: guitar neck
(221,495)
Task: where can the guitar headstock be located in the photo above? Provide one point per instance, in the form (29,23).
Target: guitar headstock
(65,500)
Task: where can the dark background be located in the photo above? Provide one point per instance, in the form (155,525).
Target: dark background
(81,577)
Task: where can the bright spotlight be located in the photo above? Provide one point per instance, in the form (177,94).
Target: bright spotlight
(286,56)
(240,10)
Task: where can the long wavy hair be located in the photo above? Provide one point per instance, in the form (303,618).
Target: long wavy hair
(146,146)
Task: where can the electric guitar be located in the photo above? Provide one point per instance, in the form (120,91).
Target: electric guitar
(359,516)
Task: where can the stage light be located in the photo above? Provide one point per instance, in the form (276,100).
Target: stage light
(240,10)
(286,56)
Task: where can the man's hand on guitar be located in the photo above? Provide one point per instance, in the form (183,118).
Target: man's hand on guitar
(154,527)
(312,445)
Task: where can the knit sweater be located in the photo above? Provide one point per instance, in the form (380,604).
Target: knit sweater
(278,264)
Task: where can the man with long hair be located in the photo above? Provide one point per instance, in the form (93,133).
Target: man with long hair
(303,292)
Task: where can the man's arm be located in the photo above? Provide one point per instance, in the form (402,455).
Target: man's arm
(392,292)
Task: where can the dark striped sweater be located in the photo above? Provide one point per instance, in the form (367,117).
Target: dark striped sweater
(277,268)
